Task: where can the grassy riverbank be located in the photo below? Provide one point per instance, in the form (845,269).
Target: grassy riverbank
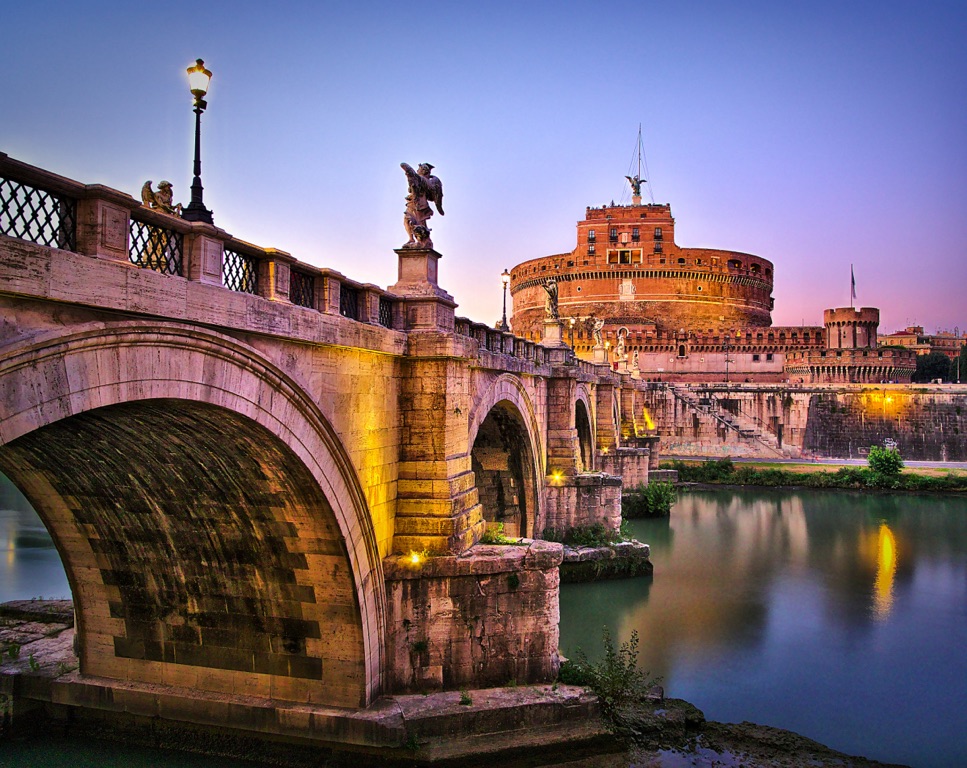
(806,475)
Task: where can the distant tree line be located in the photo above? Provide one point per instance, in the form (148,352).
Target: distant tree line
(937,365)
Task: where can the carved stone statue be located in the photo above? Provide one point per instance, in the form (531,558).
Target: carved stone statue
(635,182)
(550,303)
(620,351)
(160,200)
(634,361)
(596,330)
(424,189)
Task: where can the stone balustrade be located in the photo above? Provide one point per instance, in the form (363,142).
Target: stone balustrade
(94,220)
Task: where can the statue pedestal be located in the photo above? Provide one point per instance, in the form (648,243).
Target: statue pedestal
(600,354)
(427,305)
(553,333)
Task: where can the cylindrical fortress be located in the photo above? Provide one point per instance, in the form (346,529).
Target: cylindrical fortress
(628,270)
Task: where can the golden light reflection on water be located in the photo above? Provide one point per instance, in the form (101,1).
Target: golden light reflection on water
(885,573)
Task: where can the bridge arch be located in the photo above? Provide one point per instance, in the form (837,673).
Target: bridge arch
(585,434)
(507,457)
(263,547)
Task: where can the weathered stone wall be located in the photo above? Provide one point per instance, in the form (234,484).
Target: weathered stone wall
(487,617)
(929,422)
(583,500)
(930,426)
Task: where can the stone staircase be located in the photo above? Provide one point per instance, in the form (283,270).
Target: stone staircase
(746,427)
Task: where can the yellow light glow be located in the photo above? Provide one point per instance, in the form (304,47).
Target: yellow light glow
(885,573)
(649,423)
(415,558)
(889,399)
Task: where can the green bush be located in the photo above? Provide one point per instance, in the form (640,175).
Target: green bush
(615,679)
(885,461)
(495,535)
(652,500)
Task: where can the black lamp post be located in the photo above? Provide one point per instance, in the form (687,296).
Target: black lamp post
(198,79)
(505,279)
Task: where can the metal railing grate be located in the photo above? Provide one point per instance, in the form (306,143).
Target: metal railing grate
(41,217)
(385,312)
(156,248)
(302,289)
(240,272)
(348,302)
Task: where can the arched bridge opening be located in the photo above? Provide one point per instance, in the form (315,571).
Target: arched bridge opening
(196,543)
(585,446)
(504,468)
(211,524)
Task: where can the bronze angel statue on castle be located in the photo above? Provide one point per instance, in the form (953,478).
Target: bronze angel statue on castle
(424,189)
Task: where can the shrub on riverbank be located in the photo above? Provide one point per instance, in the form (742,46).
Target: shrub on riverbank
(615,679)
(724,471)
(652,500)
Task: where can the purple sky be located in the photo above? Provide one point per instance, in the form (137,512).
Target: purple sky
(814,134)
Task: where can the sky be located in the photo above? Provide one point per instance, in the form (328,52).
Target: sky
(814,134)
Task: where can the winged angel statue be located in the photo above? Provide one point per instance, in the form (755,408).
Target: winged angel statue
(160,200)
(424,189)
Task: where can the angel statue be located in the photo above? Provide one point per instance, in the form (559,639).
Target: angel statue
(424,189)
(550,304)
(596,330)
(160,200)
(636,182)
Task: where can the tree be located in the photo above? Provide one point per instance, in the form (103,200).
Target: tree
(959,374)
(936,365)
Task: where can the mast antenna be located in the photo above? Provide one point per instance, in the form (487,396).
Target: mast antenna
(639,162)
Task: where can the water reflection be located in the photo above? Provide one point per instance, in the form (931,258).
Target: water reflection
(837,614)
(30,567)
(885,572)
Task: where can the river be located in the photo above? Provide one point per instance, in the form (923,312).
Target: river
(841,616)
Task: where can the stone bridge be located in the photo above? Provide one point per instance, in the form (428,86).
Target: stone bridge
(266,479)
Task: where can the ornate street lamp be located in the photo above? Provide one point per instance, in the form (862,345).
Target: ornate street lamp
(505,279)
(198,79)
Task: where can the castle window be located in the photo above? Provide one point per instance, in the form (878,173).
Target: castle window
(769,357)
(754,269)
(658,248)
(591,236)
(613,235)
(699,287)
(590,249)
(681,350)
(755,358)
(635,235)
(570,263)
(624,257)
(680,261)
(658,234)
(735,264)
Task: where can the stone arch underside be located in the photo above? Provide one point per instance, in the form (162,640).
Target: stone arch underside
(506,458)
(585,446)
(211,528)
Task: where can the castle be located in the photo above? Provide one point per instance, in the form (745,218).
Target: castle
(688,314)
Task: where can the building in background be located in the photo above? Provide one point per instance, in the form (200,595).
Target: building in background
(672,313)
(913,337)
